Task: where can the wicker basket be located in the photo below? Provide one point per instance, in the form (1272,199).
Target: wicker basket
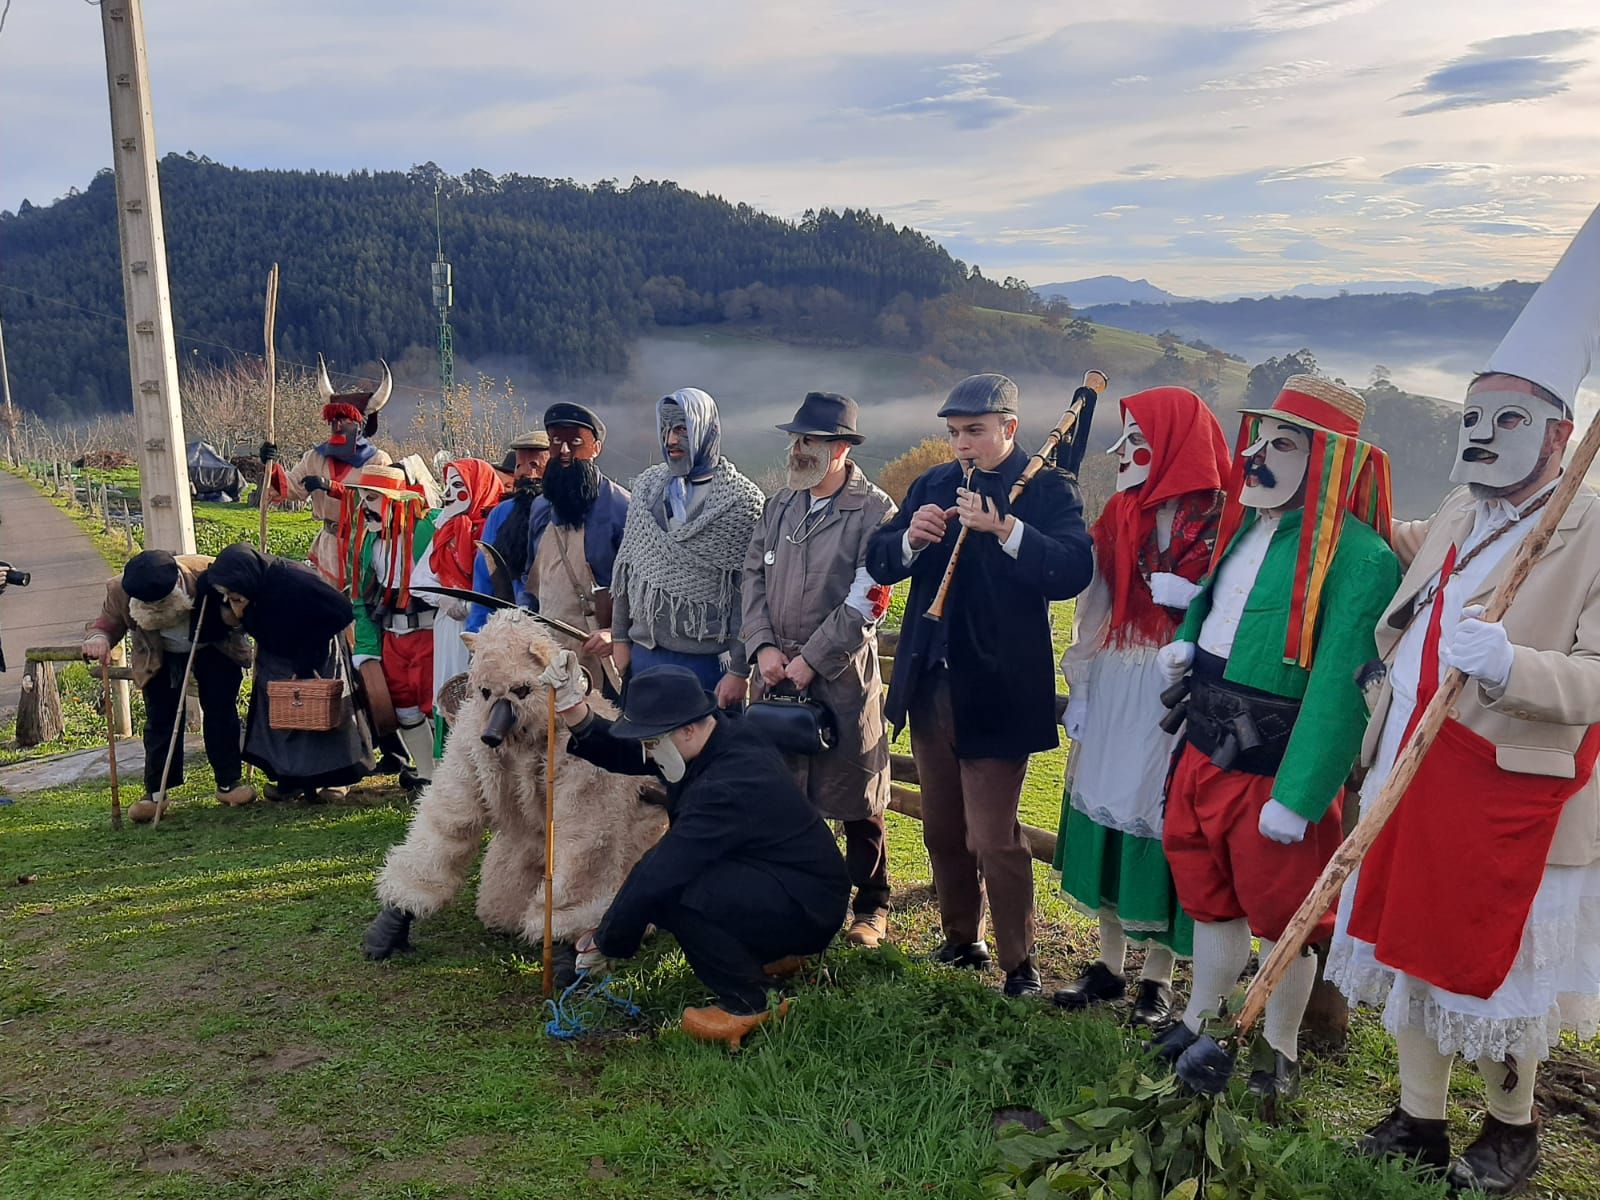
(314,705)
(451,696)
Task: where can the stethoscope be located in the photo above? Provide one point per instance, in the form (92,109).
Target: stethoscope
(801,533)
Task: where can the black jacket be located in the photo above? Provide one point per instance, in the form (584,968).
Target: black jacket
(737,802)
(995,634)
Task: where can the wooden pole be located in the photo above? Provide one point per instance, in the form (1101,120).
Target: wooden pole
(111,743)
(1349,855)
(269,330)
(550,850)
(178,721)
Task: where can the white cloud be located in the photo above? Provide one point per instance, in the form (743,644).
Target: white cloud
(1264,79)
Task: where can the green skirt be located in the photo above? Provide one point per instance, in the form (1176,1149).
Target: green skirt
(1106,871)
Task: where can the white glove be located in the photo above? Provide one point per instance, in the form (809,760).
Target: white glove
(1282,825)
(1172,591)
(566,679)
(589,957)
(456,608)
(1480,649)
(1175,659)
(1077,710)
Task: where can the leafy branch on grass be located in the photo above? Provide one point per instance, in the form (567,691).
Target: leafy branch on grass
(1137,1138)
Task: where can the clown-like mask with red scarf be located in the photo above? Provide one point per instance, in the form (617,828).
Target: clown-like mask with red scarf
(1133,454)
(457,496)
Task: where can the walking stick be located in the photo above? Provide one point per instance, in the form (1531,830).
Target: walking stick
(550,851)
(269,329)
(1206,1066)
(111,743)
(177,721)
(1094,382)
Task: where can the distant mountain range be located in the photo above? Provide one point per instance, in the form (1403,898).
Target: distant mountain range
(1117,289)
(1107,289)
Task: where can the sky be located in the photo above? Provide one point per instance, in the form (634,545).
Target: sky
(1210,147)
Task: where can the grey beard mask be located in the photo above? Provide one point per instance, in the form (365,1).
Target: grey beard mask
(802,478)
(168,612)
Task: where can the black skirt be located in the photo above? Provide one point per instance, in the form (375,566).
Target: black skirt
(301,759)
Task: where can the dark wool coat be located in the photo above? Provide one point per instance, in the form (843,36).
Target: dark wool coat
(995,634)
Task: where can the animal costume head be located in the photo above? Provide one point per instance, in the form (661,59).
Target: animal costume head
(1171,446)
(352,417)
(505,702)
(386,503)
(1533,376)
(1311,437)
(471,489)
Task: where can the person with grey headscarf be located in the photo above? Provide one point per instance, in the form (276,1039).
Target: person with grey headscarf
(676,583)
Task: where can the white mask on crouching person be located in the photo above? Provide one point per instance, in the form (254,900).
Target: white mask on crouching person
(664,752)
(168,612)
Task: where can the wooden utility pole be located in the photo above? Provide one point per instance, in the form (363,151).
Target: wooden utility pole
(152,348)
(10,417)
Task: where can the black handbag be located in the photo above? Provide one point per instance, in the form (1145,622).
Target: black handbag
(794,722)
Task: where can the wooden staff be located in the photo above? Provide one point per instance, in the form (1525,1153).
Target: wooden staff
(1349,855)
(178,721)
(269,330)
(1094,382)
(550,850)
(111,742)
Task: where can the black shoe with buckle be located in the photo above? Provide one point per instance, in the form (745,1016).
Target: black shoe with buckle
(1169,1044)
(1097,985)
(1400,1135)
(1500,1162)
(1023,979)
(962,954)
(1277,1078)
(1152,1004)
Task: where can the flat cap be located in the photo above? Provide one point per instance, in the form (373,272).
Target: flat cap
(564,412)
(533,439)
(979,394)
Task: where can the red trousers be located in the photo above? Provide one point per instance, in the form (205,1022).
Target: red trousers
(408,669)
(1222,867)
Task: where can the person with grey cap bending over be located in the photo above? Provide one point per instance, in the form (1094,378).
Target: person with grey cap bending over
(811,614)
(978,685)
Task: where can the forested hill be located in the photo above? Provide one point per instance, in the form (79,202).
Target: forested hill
(562,274)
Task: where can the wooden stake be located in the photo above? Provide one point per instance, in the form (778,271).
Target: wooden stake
(177,721)
(550,850)
(1349,855)
(269,329)
(111,743)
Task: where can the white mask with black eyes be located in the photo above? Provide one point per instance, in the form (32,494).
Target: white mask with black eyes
(1502,433)
(457,499)
(1133,455)
(1275,464)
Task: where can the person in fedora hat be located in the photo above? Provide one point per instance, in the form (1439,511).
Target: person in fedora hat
(978,686)
(1270,647)
(811,614)
(747,874)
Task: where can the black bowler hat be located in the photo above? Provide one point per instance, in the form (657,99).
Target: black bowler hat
(150,575)
(979,394)
(564,412)
(826,415)
(661,699)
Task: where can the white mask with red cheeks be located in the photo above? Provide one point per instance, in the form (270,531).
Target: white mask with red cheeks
(1133,455)
(457,498)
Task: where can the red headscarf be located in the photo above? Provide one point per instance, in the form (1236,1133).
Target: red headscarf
(455,543)
(1188,454)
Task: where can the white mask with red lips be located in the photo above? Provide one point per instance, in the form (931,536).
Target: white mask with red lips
(1134,455)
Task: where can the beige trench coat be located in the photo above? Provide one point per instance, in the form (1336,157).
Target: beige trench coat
(797,603)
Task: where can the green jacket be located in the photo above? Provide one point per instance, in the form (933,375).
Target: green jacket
(369,635)
(1327,736)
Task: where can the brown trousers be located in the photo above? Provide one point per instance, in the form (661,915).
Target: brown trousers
(970,827)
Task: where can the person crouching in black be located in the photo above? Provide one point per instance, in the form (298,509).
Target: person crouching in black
(747,874)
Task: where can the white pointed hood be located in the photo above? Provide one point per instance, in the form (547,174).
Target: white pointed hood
(1554,340)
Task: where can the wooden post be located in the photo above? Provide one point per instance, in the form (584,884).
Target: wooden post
(121,692)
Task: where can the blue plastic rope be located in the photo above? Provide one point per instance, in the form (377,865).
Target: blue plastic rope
(567,1021)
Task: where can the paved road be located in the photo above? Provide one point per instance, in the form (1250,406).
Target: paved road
(69,578)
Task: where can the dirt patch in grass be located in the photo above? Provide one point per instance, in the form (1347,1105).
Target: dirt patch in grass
(289,1058)
(1569,1085)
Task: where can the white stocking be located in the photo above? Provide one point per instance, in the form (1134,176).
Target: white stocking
(1158,960)
(1287,1005)
(418,741)
(1113,944)
(1424,1074)
(1514,1107)
(1221,950)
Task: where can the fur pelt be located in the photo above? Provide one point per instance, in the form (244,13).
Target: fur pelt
(603,826)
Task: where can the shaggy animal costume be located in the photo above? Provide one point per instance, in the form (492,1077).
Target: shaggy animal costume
(603,823)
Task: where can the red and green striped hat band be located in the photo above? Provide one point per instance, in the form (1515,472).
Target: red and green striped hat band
(1344,476)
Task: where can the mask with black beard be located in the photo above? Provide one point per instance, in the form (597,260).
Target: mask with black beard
(572,488)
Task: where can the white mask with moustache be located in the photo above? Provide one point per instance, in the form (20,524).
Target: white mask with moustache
(1502,433)
(1285,453)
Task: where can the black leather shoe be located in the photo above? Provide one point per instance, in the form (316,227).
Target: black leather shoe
(1400,1135)
(1152,1005)
(563,965)
(1278,1081)
(1500,1162)
(963,954)
(1097,985)
(1169,1044)
(1023,979)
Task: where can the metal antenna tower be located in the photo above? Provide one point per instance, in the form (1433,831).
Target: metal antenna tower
(443,299)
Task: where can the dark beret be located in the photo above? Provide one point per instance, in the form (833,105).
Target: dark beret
(150,575)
